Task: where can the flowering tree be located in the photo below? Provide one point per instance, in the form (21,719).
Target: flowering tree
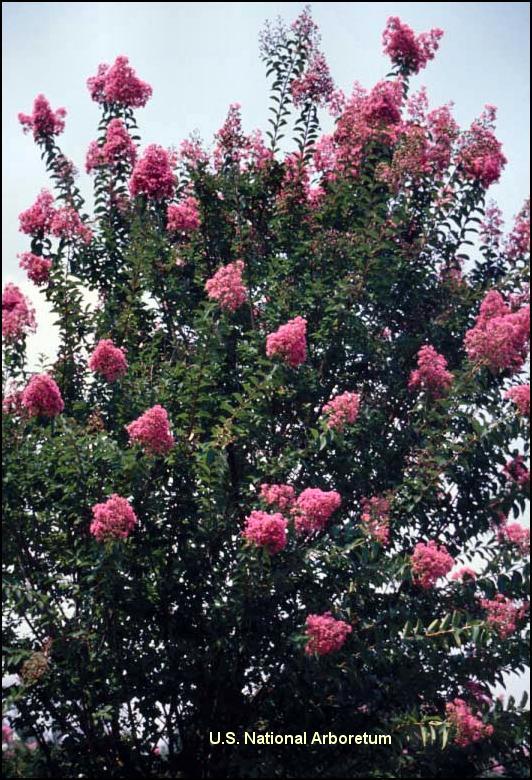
(268,483)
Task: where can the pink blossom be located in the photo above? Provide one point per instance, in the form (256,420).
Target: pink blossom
(43,122)
(463,573)
(12,401)
(113,519)
(315,84)
(289,342)
(313,509)
(518,243)
(120,84)
(37,219)
(18,315)
(119,147)
(325,634)
(95,158)
(227,287)
(516,471)
(520,395)
(108,360)
(36,266)
(480,154)
(282,496)
(431,374)
(231,143)
(152,431)
(183,217)
(500,338)
(66,223)
(342,410)
(515,535)
(42,396)
(7,733)
(153,175)
(268,531)
(306,28)
(375,518)
(192,153)
(502,614)
(491,229)
(410,52)
(469,728)
(259,154)
(430,561)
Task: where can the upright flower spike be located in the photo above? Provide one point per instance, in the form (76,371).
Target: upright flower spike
(342,410)
(313,509)
(153,175)
(289,342)
(520,395)
(36,267)
(108,360)
(37,220)
(18,315)
(282,496)
(42,397)
(431,373)
(227,287)
(183,217)
(152,431)
(119,84)
(43,122)
(408,51)
(479,156)
(325,634)
(266,530)
(516,536)
(430,561)
(500,338)
(469,728)
(113,519)
(502,614)
(375,518)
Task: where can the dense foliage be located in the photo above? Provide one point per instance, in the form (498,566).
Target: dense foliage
(271,481)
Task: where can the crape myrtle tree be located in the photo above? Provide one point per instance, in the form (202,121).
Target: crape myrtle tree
(271,481)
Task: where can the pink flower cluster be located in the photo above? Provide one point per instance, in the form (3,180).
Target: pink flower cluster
(120,84)
(431,373)
(66,223)
(516,471)
(153,175)
(518,243)
(183,217)
(42,396)
(18,315)
(500,338)
(313,509)
(114,519)
(43,121)
(342,410)
(469,728)
(325,634)
(108,360)
(491,229)
(520,395)
(480,154)
(410,52)
(289,342)
(430,561)
(515,535)
(227,287)
(152,431)
(464,572)
(315,84)
(266,530)
(234,148)
(503,614)
(117,148)
(282,496)
(375,518)
(12,401)
(36,220)
(191,153)
(36,266)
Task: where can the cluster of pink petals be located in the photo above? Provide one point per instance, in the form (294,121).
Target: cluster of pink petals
(516,471)
(36,266)
(289,342)
(325,634)
(108,360)
(266,530)
(36,220)
(227,287)
(313,509)
(464,572)
(120,84)
(407,50)
(520,395)
(431,373)
(66,223)
(114,519)
(480,154)
(118,148)
(236,149)
(152,431)
(315,84)
(515,535)
(183,217)
(282,496)
(503,614)
(430,561)
(518,243)
(18,315)
(375,518)
(153,174)
(95,158)
(12,401)
(342,410)
(491,229)
(42,396)
(192,153)
(500,337)
(469,728)
(43,122)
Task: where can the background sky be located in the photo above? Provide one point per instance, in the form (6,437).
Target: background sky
(200,57)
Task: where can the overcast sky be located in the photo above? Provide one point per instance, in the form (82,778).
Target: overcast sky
(200,57)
